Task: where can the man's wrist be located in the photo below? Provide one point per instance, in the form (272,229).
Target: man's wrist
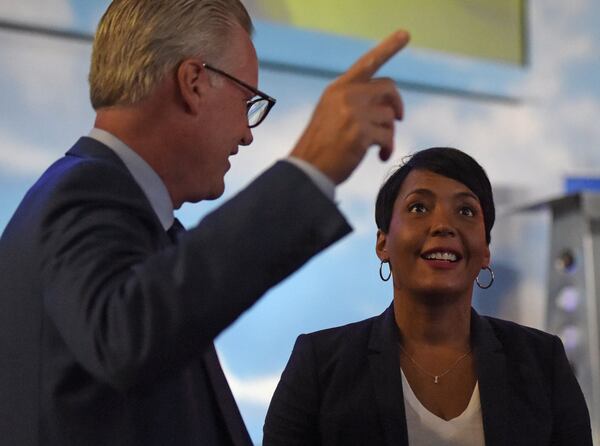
(322,181)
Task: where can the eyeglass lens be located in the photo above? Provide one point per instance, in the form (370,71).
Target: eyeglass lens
(256,111)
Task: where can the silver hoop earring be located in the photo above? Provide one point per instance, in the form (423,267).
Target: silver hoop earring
(385,279)
(491,279)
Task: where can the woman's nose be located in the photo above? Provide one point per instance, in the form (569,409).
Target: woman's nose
(441,224)
(443,230)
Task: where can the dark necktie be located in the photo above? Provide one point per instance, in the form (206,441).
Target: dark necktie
(175,231)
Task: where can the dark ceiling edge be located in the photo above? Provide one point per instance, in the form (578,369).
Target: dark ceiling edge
(280,66)
(402,84)
(45,31)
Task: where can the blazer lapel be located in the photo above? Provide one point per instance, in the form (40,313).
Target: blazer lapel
(493,384)
(384,365)
(87,147)
(229,409)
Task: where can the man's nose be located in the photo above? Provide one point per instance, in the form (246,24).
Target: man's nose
(247,138)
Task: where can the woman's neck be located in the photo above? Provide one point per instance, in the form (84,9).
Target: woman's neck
(435,322)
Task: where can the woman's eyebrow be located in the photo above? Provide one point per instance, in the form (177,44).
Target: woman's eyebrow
(429,192)
(422,191)
(468,195)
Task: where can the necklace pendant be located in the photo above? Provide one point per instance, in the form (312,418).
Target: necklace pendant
(435,379)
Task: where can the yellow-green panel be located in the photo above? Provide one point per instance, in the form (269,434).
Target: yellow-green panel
(491,29)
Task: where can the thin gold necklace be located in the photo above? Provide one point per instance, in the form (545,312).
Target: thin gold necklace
(431,375)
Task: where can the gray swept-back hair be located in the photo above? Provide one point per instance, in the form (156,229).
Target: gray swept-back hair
(138,41)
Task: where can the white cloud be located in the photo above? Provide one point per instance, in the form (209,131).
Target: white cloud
(47,72)
(273,140)
(256,390)
(21,159)
(46,12)
(556,43)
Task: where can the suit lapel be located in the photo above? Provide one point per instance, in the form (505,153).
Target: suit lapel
(493,384)
(229,409)
(218,383)
(384,365)
(87,147)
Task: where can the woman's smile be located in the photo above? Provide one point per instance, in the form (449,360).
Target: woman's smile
(436,240)
(441,258)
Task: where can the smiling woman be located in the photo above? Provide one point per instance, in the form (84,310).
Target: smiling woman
(436,238)
(430,370)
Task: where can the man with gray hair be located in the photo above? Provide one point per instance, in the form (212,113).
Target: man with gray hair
(109,307)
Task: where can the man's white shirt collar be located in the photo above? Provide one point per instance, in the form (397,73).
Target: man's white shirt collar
(144,175)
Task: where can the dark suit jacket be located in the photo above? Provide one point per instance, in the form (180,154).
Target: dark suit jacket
(106,327)
(342,386)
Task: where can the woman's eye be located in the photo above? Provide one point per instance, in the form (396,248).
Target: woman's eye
(417,208)
(467,211)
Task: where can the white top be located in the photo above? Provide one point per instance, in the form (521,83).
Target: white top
(427,429)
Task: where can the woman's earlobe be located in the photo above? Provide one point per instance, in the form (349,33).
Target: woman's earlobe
(380,246)
(487,257)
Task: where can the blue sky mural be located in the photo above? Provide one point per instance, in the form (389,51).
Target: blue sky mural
(527,148)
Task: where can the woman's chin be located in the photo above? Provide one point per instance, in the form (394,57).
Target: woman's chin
(442,294)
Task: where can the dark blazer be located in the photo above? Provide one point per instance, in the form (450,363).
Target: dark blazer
(107,328)
(342,386)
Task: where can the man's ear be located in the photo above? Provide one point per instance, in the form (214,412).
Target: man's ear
(192,80)
(380,246)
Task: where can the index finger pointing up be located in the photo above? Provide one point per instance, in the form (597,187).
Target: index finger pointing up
(365,67)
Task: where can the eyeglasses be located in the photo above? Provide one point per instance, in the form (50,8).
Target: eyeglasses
(258,107)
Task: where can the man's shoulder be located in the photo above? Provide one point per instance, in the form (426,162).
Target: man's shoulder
(88,168)
(79,183)
(87,161)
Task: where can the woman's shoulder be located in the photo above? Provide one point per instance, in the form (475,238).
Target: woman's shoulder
(351,339)
(521,338)
(339,354)
(510,328)
(352,330)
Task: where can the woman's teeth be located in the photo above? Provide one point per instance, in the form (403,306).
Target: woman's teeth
(447,256)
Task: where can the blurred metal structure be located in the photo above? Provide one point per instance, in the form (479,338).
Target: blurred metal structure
(572,310)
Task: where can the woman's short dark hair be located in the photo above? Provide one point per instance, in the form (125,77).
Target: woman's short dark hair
(446,161)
